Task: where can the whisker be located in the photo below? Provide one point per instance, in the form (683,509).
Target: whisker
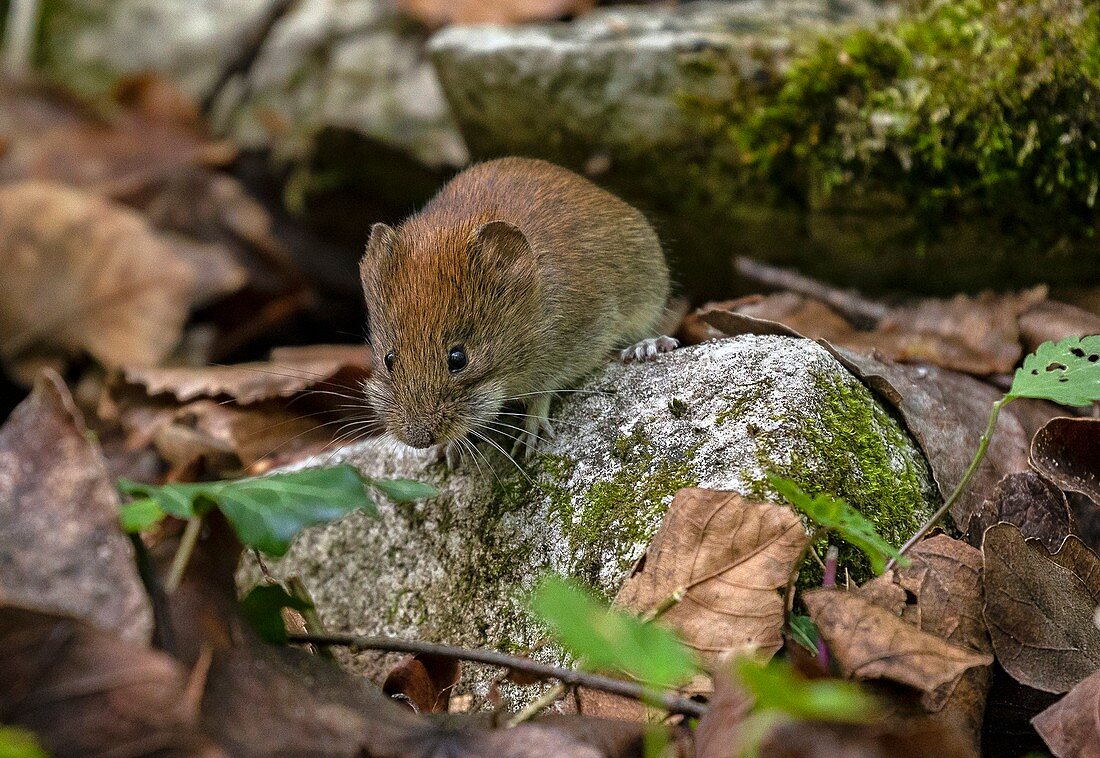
(504,452)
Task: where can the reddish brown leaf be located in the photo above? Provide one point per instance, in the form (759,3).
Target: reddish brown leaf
(423,681)
(84,691)
(61,548)
(870,642)
(1051,321)
(1030,502)
(1067,452)
(728,557)
(83,275)
(1071,727)
(1039,608)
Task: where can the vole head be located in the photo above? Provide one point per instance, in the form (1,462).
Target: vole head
(452,316)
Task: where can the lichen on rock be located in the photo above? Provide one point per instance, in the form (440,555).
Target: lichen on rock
(459,567)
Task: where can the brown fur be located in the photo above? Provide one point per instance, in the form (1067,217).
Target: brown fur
(539,273)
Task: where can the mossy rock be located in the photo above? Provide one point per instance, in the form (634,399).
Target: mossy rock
(953,147)
(459,567)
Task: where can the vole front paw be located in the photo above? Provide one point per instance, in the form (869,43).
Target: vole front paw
(648,349)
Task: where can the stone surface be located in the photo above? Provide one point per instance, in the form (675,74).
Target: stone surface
(457,568)
(344,65)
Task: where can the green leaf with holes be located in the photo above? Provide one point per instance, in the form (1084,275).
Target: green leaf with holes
(1066,372)
(605,639)
(837,516)
(267,511)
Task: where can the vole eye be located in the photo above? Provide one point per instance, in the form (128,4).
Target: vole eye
(456,359)
(389,361)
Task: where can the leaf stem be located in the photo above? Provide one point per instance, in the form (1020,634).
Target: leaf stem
(669,701)
(979,456)
(183,554)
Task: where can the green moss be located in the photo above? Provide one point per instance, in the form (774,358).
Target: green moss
(677,408)
(853,449)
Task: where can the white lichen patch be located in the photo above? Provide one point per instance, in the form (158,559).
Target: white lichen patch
(458,567)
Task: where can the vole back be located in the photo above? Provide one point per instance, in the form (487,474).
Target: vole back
(515,281)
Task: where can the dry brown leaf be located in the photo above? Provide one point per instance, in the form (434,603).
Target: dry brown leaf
(83,691)
(1067,451)
(728,556)
(83,275)
(1051,321)
(1039,608)
(437,13)
(61,548)
(909,738)
(945,583)
(1071,727)
(1030,502)
(424,681)
(870,642)
(946,412)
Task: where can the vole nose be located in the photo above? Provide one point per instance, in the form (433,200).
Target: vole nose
(419,436)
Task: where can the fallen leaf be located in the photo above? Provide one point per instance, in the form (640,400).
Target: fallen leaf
(727,557)
(84,691)
(61,549)
(423,681)
(870,642)
(894,738)
(722,727)
(1071,727)
(946,413)
(1052,321)
(944,596)
(1030,502)
(288,372)
(438,13)
(83,275)
(1039,608)
(1067,452)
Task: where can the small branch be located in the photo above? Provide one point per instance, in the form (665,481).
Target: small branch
(669,701)
(548,698)
(183,554)
(857,309)
(983,445)
(310,617)
(664,606)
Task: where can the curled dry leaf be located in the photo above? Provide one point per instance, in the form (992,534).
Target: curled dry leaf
(1030,502)
(84,691)
(1067,451)
(423,681)
(727,557)
(83,275)
(870,642)
(61,548)
(437,13)
(1071,727)
(1039,608)
(946,413)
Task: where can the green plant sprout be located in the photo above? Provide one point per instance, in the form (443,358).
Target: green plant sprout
(1066,372)
(265,512)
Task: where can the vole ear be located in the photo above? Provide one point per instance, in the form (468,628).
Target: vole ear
(500,243)
(379,248)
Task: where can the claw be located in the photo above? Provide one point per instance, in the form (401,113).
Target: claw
(648,349)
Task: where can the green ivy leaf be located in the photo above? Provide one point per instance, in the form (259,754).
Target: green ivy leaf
(1066,372)
(405,490)
(263,606)
(140,515)
(835,514)
(776,687)
(804,631)
(267,511)
(605,639)
(16,742)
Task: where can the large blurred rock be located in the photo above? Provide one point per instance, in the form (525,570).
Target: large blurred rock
(721,415)
(328,66)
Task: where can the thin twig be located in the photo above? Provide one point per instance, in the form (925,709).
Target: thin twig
(857,309)
(183,554)
(669,701)
(983,445)
(251,46)
(534,708)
